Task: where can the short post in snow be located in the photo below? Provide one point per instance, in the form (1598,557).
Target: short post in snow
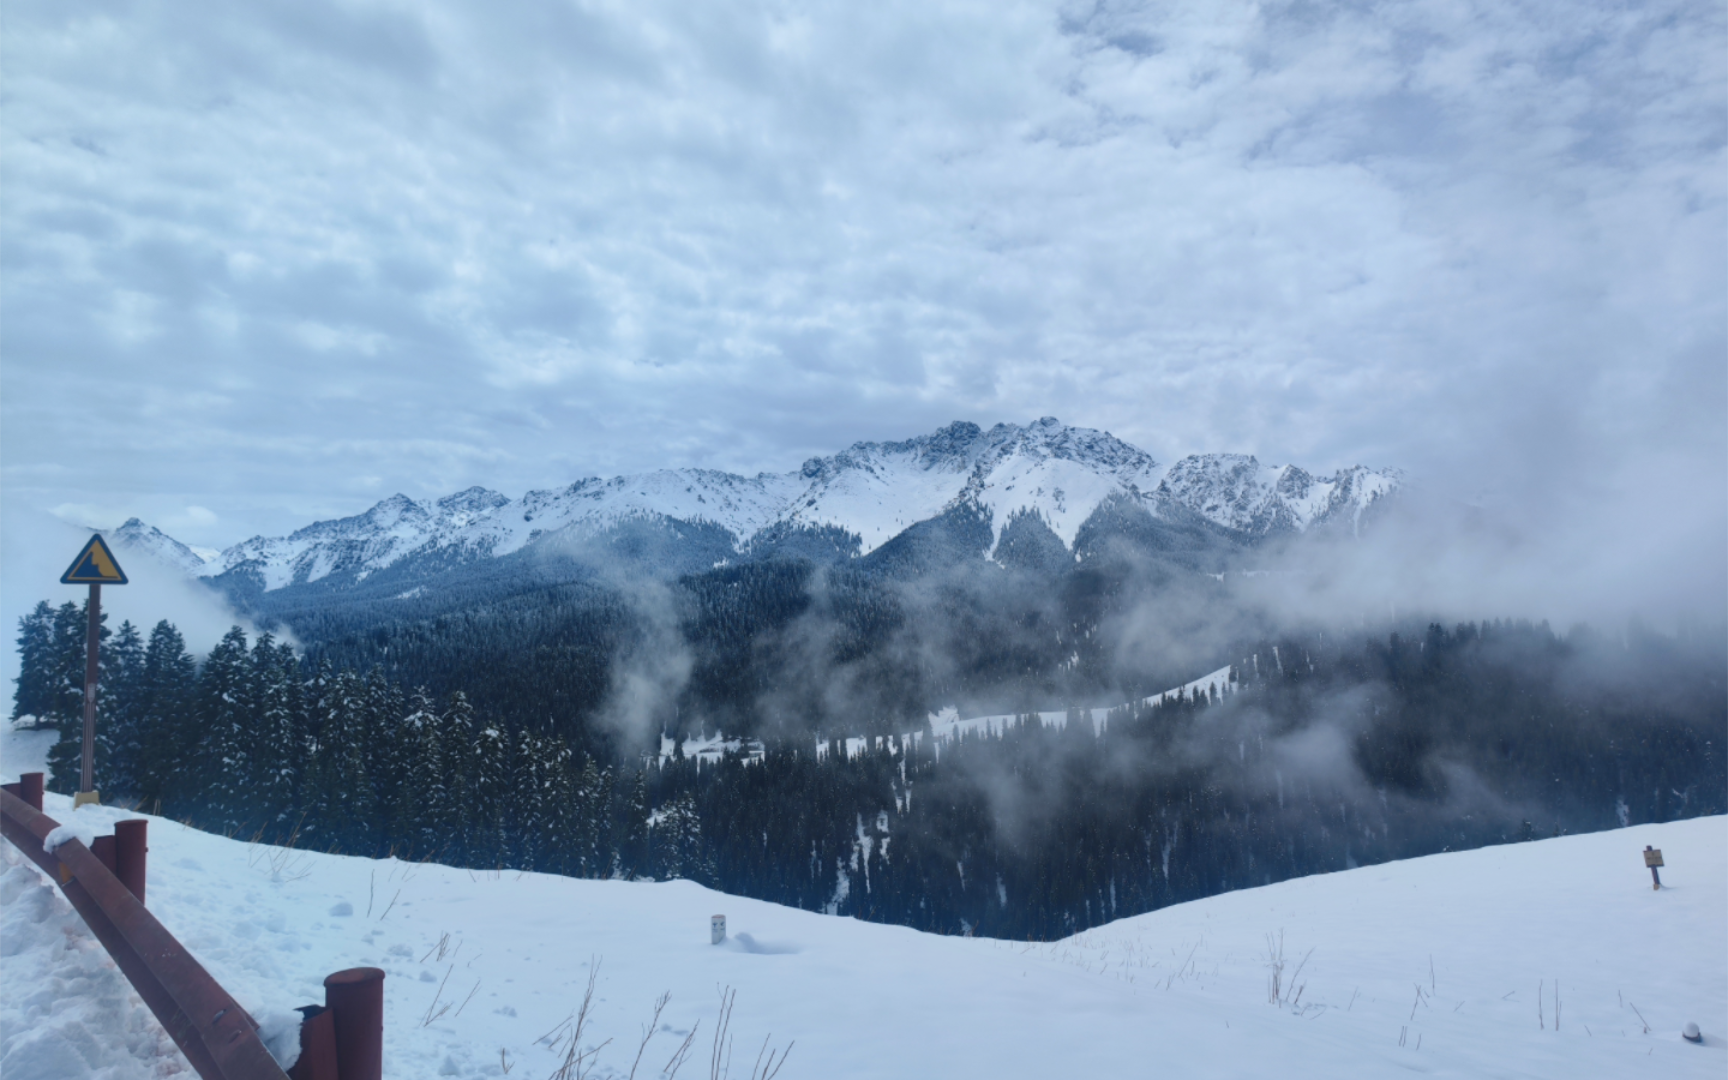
(716,929)
(131,850)
(356,997)
(29,789)
(1653,859)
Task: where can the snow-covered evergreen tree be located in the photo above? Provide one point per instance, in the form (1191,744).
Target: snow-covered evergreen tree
(164,771)
(33,699)
(229,713)
(678,841)
(279,760)
(339,803)
(117,731)
(488,837)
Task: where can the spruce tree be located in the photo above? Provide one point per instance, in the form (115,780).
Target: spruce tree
(33,699)
(585,821)
(118,731)
(456,756)
(167,738)
(491,798)
(636,852)
(339,804)
(419,752)
(388,749)
(227,714)
(434,815)
(279,757)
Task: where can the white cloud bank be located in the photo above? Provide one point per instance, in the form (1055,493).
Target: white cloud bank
(282,259)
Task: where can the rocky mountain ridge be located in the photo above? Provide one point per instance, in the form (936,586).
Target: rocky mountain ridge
(856,500)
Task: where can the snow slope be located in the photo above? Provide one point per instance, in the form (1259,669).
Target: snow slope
(873,491)
(1430,966)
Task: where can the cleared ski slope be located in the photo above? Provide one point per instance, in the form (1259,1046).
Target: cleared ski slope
(1430,966)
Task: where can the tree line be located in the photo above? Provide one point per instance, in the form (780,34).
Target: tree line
(254,742)
(1319,752)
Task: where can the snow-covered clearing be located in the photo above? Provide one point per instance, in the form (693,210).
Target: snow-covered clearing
(1432,965)
(948,724)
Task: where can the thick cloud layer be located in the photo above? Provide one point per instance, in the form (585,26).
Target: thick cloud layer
(269,262)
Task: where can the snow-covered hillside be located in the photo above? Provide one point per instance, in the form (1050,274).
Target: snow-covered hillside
(871,491)
(1544,959)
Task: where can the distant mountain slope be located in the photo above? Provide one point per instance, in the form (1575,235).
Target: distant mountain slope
(1051,478)
(137,536)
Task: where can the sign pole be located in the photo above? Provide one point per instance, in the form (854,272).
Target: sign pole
(95,566)
(92,647)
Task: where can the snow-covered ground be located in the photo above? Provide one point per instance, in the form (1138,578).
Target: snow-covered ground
(1528,960)
(948,724)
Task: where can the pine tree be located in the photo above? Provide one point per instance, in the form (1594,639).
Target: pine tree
(435,814)
(636,852)
(585,814)
(678,840)
(279,757)
(166,735)
(541,787)
(456,755)
(388,749)
(418,733)
(118,731)
(339,805)
(33,700)
(227,714)
(488,839)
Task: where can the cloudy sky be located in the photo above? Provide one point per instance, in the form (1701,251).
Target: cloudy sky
(268,262)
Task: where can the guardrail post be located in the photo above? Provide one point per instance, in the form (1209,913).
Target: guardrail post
(356,997)
(30,784)
(131,854)
(103,848)
(317,1045)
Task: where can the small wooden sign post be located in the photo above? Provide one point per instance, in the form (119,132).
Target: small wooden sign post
(95,566)
(1653,859)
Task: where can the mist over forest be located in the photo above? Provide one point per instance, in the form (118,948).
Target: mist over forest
(519,713)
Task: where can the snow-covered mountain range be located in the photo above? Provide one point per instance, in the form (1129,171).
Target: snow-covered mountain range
(869,494)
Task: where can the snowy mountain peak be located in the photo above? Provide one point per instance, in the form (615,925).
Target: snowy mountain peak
(470,505)
(137,536)
(871,491)
(1238,492)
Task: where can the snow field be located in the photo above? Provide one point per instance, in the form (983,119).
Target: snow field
(1431,965)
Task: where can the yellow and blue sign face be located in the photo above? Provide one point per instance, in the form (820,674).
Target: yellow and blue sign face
(95,565)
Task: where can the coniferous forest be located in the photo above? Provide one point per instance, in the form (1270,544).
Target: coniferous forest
(1321,751)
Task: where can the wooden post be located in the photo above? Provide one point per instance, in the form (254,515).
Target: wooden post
(317,1045)
(1653,859)
(130,854)
(356,998)
(31,786)
(103,848)
(92,644)
(95,567)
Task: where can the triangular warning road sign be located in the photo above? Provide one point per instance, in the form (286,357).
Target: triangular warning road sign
(95,565)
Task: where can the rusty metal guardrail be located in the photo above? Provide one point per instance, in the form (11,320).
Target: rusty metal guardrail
(343,1041)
